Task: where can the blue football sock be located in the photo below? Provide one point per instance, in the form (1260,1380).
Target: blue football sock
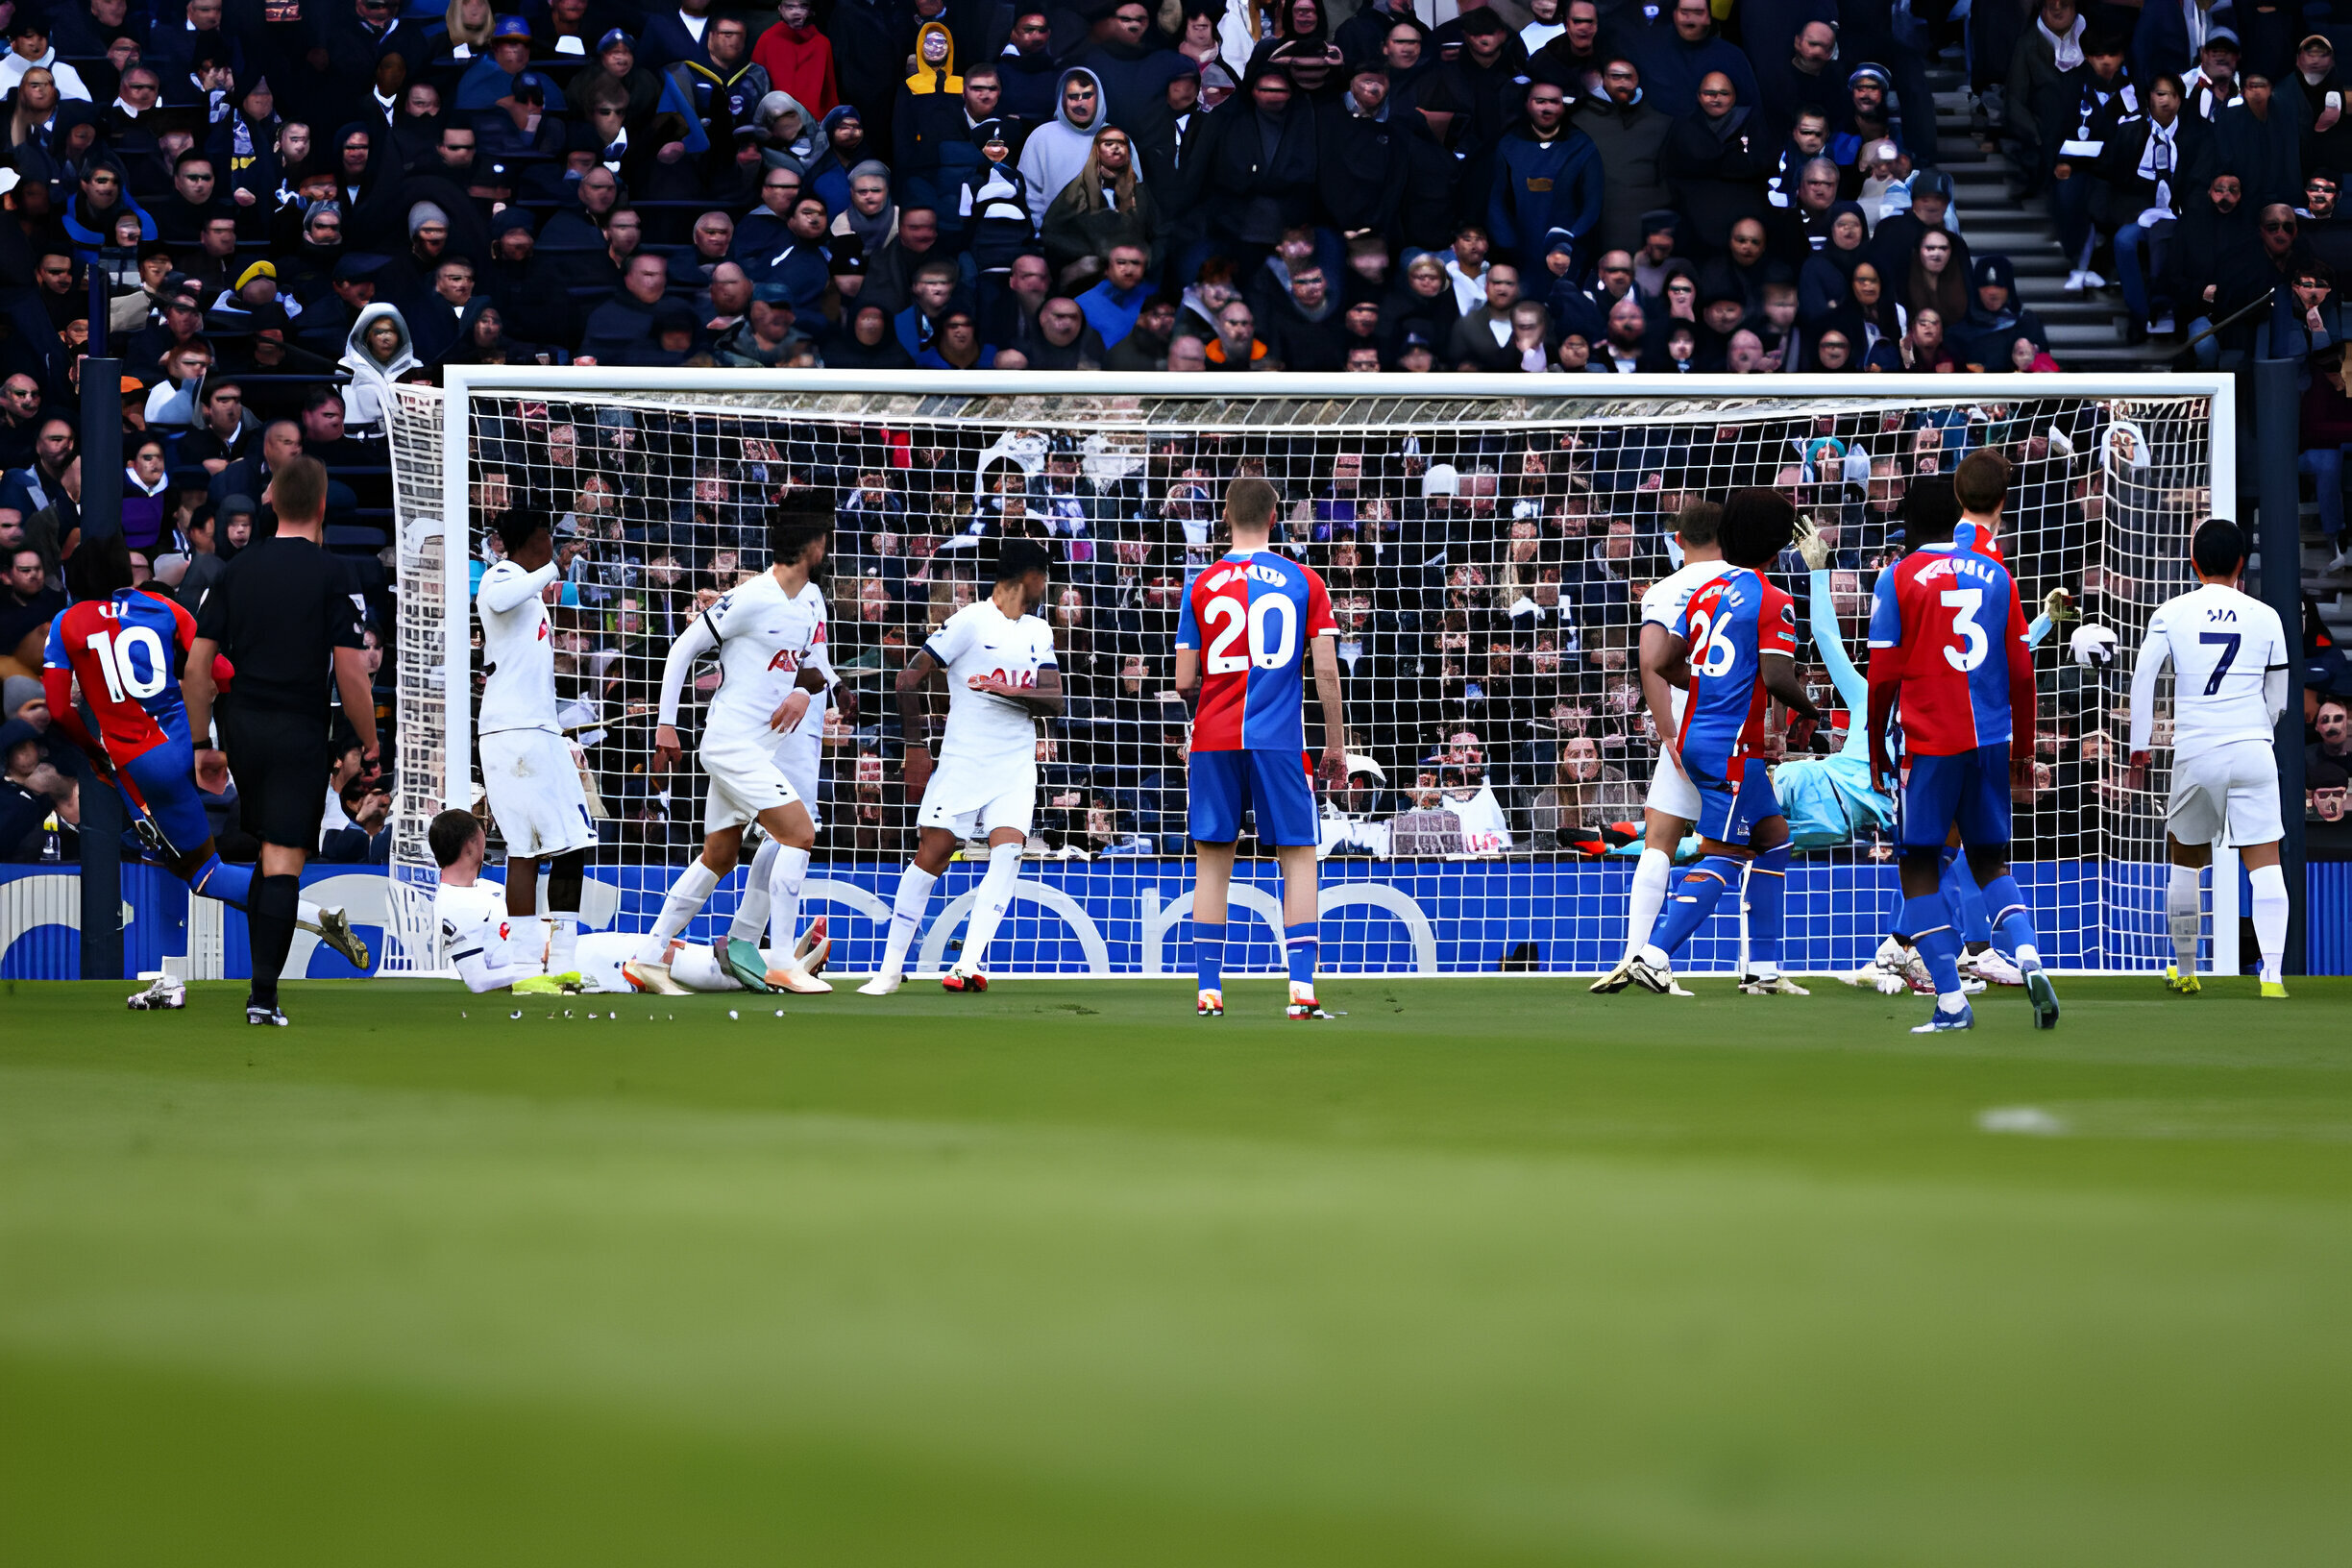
(1209,954)
(231,885)
(1305,945)
(1767,901)
(2012,918)
(1691,903)
(1930,919)
(1966,903)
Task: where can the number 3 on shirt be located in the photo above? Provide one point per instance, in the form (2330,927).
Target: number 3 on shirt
(1268,649)
(1964,603)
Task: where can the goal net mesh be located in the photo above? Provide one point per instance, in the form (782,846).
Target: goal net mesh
(1486,557)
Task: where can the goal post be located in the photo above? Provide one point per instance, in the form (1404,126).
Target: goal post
(1485,539)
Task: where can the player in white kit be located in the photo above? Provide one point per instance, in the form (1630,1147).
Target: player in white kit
(476,933)
(527,766)
(1673,804)
(2229,659)
(769,634)
(999,659)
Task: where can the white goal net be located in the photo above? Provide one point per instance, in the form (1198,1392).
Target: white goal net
(1486,540)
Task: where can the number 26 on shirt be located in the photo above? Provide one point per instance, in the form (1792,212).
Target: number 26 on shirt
(1271,625)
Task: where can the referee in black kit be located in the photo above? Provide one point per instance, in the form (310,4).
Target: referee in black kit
(285,613)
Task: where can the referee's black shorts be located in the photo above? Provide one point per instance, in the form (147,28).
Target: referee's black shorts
(281,763)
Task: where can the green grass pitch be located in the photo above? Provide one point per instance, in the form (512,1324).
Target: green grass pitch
(1481,1273)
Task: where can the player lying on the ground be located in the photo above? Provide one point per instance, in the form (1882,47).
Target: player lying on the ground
(998,661)
(1949,661)
(528,773)
(475,927)
(770,635)
(1733,648)
(2229,658)
(1242,637)
(124,646)
(1673,805)
(605,954)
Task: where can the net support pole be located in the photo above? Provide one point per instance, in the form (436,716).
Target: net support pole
(2278,420)
(102,816)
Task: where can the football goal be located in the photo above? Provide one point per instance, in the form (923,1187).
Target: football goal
(1486,541)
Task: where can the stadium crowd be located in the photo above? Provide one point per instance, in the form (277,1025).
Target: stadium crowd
(272,211)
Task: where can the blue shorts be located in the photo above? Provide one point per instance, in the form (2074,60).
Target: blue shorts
(1274,784)
(160,799)
(1728,812)
(1970,789)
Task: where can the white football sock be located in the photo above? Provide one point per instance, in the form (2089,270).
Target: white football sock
(563,941)
(784,880)
(2270,910)
(685,899)
(750,921)
(989,906)
(698,969)
(907,906)
(2185,913)
(308,914)
(526,943)
(1649,895)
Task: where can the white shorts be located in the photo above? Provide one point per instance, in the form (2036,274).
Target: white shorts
(801,756)
(1670,793)
(2226,794)
(535,794)
(962,799)
(745,779)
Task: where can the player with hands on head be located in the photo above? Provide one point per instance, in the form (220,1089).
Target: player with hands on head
(476,933)
(769,634)
(996,656)
(1242,640)
(1949,661)
(124,646)
(528,773)
(1673,804)
(2230,660)
(1733,648)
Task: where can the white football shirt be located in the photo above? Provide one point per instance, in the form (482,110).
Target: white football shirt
(474,934)
(518,652)
(765,637)
(2224,648)
(1662,605)
(987,732)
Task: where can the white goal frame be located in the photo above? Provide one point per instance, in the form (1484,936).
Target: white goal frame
(462,383)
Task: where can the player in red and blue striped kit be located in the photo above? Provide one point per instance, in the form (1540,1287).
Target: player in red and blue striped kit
(1951,662)
(1249,625)
(124,646)
(1734,645)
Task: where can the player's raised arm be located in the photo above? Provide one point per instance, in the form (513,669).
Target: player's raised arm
(699,637)
(504,591)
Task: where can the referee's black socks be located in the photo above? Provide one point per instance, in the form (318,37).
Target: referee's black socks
(270,923)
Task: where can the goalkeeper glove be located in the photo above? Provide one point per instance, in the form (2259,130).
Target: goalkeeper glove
(2059,605)
(1812,545)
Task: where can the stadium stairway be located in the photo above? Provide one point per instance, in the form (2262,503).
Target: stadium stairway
(2086,333)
